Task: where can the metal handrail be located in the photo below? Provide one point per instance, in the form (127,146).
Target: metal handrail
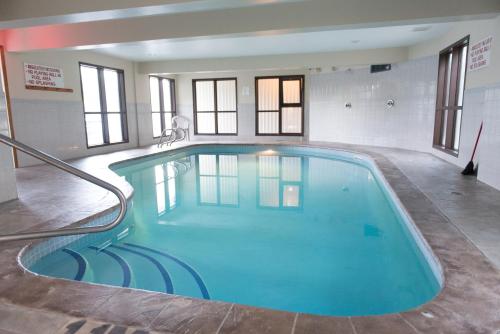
(76,172)
(170,138)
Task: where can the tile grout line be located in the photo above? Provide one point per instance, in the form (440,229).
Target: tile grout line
(409,324)
(156,317)
(294,322)
(224,320)
(352,326)
(89,316)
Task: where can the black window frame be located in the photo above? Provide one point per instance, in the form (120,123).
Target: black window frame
(452,91)
(216,112)
(104,112)
(173,103)
(282,105)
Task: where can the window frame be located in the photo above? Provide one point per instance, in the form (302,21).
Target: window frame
(216,112)
(282,105)
(453,91)
(173,101)
(102,103)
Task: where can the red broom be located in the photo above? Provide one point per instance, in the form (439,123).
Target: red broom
(469,169)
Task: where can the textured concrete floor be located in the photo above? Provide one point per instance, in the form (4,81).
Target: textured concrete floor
(472,206)
(437,197)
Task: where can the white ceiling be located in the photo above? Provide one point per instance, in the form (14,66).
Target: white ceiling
(292,43)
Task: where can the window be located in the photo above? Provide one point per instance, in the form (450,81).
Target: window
(450,96)
(279,105)
(103,93)
(162,92)
(215,106)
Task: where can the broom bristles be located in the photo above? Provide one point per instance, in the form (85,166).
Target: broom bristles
(469,169)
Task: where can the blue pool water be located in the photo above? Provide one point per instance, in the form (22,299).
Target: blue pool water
(292,229)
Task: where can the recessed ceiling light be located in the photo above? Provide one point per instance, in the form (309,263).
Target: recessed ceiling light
(355,41)
(420,29)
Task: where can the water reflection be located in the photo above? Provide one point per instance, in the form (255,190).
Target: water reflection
(220,180)
(280,181)
(217,179)
(166,176)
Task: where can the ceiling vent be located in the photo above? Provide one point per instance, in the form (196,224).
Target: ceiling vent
(380,68)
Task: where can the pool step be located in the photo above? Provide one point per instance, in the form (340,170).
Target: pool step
(84,271)
(136,266)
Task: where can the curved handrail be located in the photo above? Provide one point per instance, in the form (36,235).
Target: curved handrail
(76,172)
(164,135)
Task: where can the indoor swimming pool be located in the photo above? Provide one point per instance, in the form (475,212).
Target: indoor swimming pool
(289,228)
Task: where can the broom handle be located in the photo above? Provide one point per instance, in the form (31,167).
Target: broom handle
(477,141)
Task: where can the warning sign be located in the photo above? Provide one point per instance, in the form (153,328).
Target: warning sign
(479,54)
(43,76)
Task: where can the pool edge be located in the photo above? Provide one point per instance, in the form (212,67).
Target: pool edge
(368,161)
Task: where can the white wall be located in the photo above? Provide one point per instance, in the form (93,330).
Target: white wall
(184,99)
(246,103)
(489,171)
(54,121)
(478,30)
(409,124)
(8,189)
(479,99)
(273,62)
(412,84)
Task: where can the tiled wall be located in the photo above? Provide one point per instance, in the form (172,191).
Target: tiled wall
(409,124)
(489,164)
(58,128)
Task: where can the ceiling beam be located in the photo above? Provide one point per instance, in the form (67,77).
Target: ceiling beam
(22,13)
(285,17)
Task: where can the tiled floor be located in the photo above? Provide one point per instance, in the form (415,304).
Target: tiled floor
(437,197)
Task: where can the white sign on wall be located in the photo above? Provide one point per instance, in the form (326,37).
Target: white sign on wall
(479,54)
(43,76)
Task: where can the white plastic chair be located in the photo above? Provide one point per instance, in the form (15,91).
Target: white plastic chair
(179,131)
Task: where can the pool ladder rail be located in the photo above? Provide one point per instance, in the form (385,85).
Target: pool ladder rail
(179,131)
(76,172)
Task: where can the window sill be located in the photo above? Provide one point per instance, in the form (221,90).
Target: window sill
(215,134)
(446,150)
(104,145)
(280,134)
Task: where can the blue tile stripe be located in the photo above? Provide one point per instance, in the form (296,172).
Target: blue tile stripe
(127,276)
(169,288)
(82,265)
(196,276)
